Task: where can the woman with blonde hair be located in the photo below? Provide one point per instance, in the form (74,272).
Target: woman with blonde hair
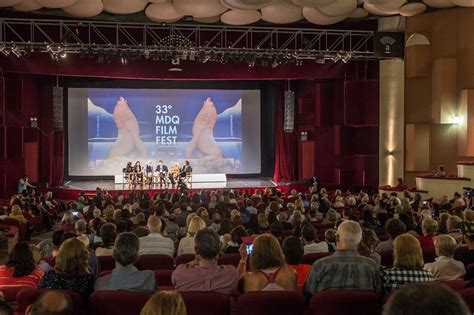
(407,265)
(269,269)
(164,303)
(17,214)
(71,271)
(186,244)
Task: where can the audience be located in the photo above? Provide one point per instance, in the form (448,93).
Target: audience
(203,273)
(445,268)
(407,265)
(108,233)
(429,228)
(125,275)
(368,244)
(346,269)
(269,269)
(427,299)
(164,303)
(394,227)
(155,242)
(72,271)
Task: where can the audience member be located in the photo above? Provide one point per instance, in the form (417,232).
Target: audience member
(20,269)
(293,251)
(72,271)
(108,233)
(394,227)
(269,269)
(233,246)
(308,233)
(164,303)
(407,265)
(125,275)
(155,243)
(186,244)
(203,274)
(429,228)
(17,214)
(427,299)
(368,244)
(330,238)
(52,302)
(445,268)
(346,269)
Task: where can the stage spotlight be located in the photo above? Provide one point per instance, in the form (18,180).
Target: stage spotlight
(62,54)
(124,61)
(16,51)
(299,62)
(320,59)
(336,58)
(275,63)
(346,58)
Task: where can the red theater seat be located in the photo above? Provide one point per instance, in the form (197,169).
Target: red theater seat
(117,302)
(106,263)
(155,262)
(184,259)
(309,259)
(345,302)
(11,293)
(163,278)
(468,296)
(206,303)
(229,259)
(28,296)
(22,228)
(270,303)
(456,285)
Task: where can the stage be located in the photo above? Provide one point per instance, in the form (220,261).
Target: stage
(72,189)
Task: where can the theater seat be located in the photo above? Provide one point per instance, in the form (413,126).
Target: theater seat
(468,297)
(155,262)
(429,256)
(28,296)
(106,263)
(456,285)
(184,259)
(309,259)
(10,292)
(206,303)
(331,302)
(229,259)
(270,303)
(117,302)
(163,278)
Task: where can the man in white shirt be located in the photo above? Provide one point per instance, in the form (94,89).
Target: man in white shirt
(155,243)
(308,236)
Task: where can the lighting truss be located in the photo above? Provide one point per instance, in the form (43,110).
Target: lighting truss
(182,41)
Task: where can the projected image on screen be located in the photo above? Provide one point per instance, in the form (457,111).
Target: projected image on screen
(202,126)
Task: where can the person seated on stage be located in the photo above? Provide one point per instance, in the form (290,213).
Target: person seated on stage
(149,172)
(161,171)
(401,184)
(175,172)
(186,170)
(130,171)
(138,171)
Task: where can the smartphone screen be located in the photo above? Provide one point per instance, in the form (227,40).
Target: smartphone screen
(249,248)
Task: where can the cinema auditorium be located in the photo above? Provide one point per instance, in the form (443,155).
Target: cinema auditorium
(244,157)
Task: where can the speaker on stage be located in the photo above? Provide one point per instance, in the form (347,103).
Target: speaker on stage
(58,100)
(289,114)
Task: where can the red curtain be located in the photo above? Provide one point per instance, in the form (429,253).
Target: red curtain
(286,143)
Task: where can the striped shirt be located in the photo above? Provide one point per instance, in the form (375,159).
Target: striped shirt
(155,243)
(397,278)
(31,280)
(344,270)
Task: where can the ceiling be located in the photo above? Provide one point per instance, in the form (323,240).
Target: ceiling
(231,12)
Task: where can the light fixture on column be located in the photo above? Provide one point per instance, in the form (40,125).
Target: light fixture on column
(456,119)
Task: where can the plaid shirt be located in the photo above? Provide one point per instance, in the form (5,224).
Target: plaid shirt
(343,270)
(396,278)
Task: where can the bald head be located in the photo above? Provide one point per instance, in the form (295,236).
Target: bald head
(349,235)
(154,224)
(52,302)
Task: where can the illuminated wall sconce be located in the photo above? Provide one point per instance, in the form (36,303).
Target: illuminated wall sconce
(456,119)
(34,122)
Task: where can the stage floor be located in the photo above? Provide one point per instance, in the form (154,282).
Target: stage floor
(89,185)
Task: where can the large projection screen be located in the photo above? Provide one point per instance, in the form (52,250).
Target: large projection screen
(217,130)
